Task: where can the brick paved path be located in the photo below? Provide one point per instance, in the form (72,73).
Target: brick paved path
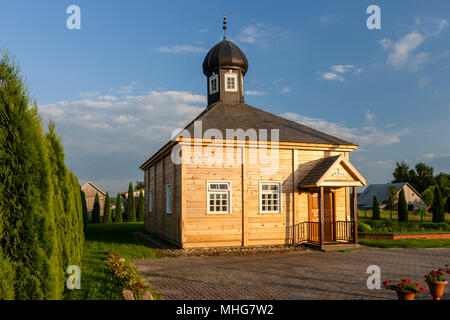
(300,275)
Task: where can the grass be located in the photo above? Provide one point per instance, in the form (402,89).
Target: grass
(96,284)
(406,243)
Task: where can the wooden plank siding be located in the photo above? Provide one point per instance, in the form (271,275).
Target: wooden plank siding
(190,226)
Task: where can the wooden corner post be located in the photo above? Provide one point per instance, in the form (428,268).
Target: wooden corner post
(321,215)
(355,215)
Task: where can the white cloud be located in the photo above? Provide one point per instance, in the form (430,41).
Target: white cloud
(337,72)
(255,93)
(261,34)
(402,53)
(364,136)
(106,97)
(383,163)
(181,49)
(102,137)
(423,82)
(285,90)
(369,116)
(126,89)
(332,76)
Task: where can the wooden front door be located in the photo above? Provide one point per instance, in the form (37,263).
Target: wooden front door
(329,213)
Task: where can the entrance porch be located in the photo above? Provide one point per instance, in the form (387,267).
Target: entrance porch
(323,229)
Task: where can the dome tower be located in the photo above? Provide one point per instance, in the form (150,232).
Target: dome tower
(225,66)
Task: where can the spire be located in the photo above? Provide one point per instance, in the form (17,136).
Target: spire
(224,26)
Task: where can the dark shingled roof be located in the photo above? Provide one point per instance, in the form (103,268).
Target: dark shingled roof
(318,171)
(381,190)
(224,116)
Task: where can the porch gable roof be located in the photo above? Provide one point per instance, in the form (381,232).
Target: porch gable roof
(334,171)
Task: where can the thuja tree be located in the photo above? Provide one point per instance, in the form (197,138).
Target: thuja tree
(118,211)
(107,209)
(438,206)
(140,208)
(67,205)
(96,210)
(85,212)
(40,203)
(402,207)
(375,208)
(131,210)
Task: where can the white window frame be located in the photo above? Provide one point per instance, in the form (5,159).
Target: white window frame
(169,199)
(231,75)
(150,201)
(208,192)
(212,78)
(279,192)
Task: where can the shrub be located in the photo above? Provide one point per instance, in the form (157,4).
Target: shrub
(85,212)
(363,227)
(140,209)
(107,209)
(438,206)
(118,211)
(130,215)
(402,207)
(96,210)
(375,208)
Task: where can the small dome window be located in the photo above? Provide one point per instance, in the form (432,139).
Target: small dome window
(230,81)
(213,84)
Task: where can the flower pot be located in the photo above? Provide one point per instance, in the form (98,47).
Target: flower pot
(405,295)
(437,289)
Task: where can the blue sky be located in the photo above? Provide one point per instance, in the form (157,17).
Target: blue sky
(120,85)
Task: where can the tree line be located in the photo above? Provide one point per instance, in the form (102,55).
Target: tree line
(131,211)
(41,216)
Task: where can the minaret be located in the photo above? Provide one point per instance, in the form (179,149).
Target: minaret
(225,66)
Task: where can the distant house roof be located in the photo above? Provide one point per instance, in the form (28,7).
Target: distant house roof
(381,190)
(93,186)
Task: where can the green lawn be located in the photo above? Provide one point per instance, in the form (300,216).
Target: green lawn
(96,284)
(407,243)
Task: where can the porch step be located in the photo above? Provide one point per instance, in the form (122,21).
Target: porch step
(340,247)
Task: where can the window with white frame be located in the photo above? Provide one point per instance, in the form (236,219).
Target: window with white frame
(168,198)
(270,197)
(231,81)
(219,197)
(150,201)
(213,84)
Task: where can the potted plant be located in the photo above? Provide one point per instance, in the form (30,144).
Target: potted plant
(406,290)
(436,281)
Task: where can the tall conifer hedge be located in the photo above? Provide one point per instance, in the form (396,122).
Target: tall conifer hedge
(131,209)
(118,214)
(107,209)
(40,204)
(140,208)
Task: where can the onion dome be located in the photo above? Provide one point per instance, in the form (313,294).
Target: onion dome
(225,54)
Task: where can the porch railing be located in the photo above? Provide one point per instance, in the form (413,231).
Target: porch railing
(309,231)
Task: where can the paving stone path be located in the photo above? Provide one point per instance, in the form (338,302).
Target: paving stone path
(299,275)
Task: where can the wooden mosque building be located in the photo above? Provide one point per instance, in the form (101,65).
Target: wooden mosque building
(192,201)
